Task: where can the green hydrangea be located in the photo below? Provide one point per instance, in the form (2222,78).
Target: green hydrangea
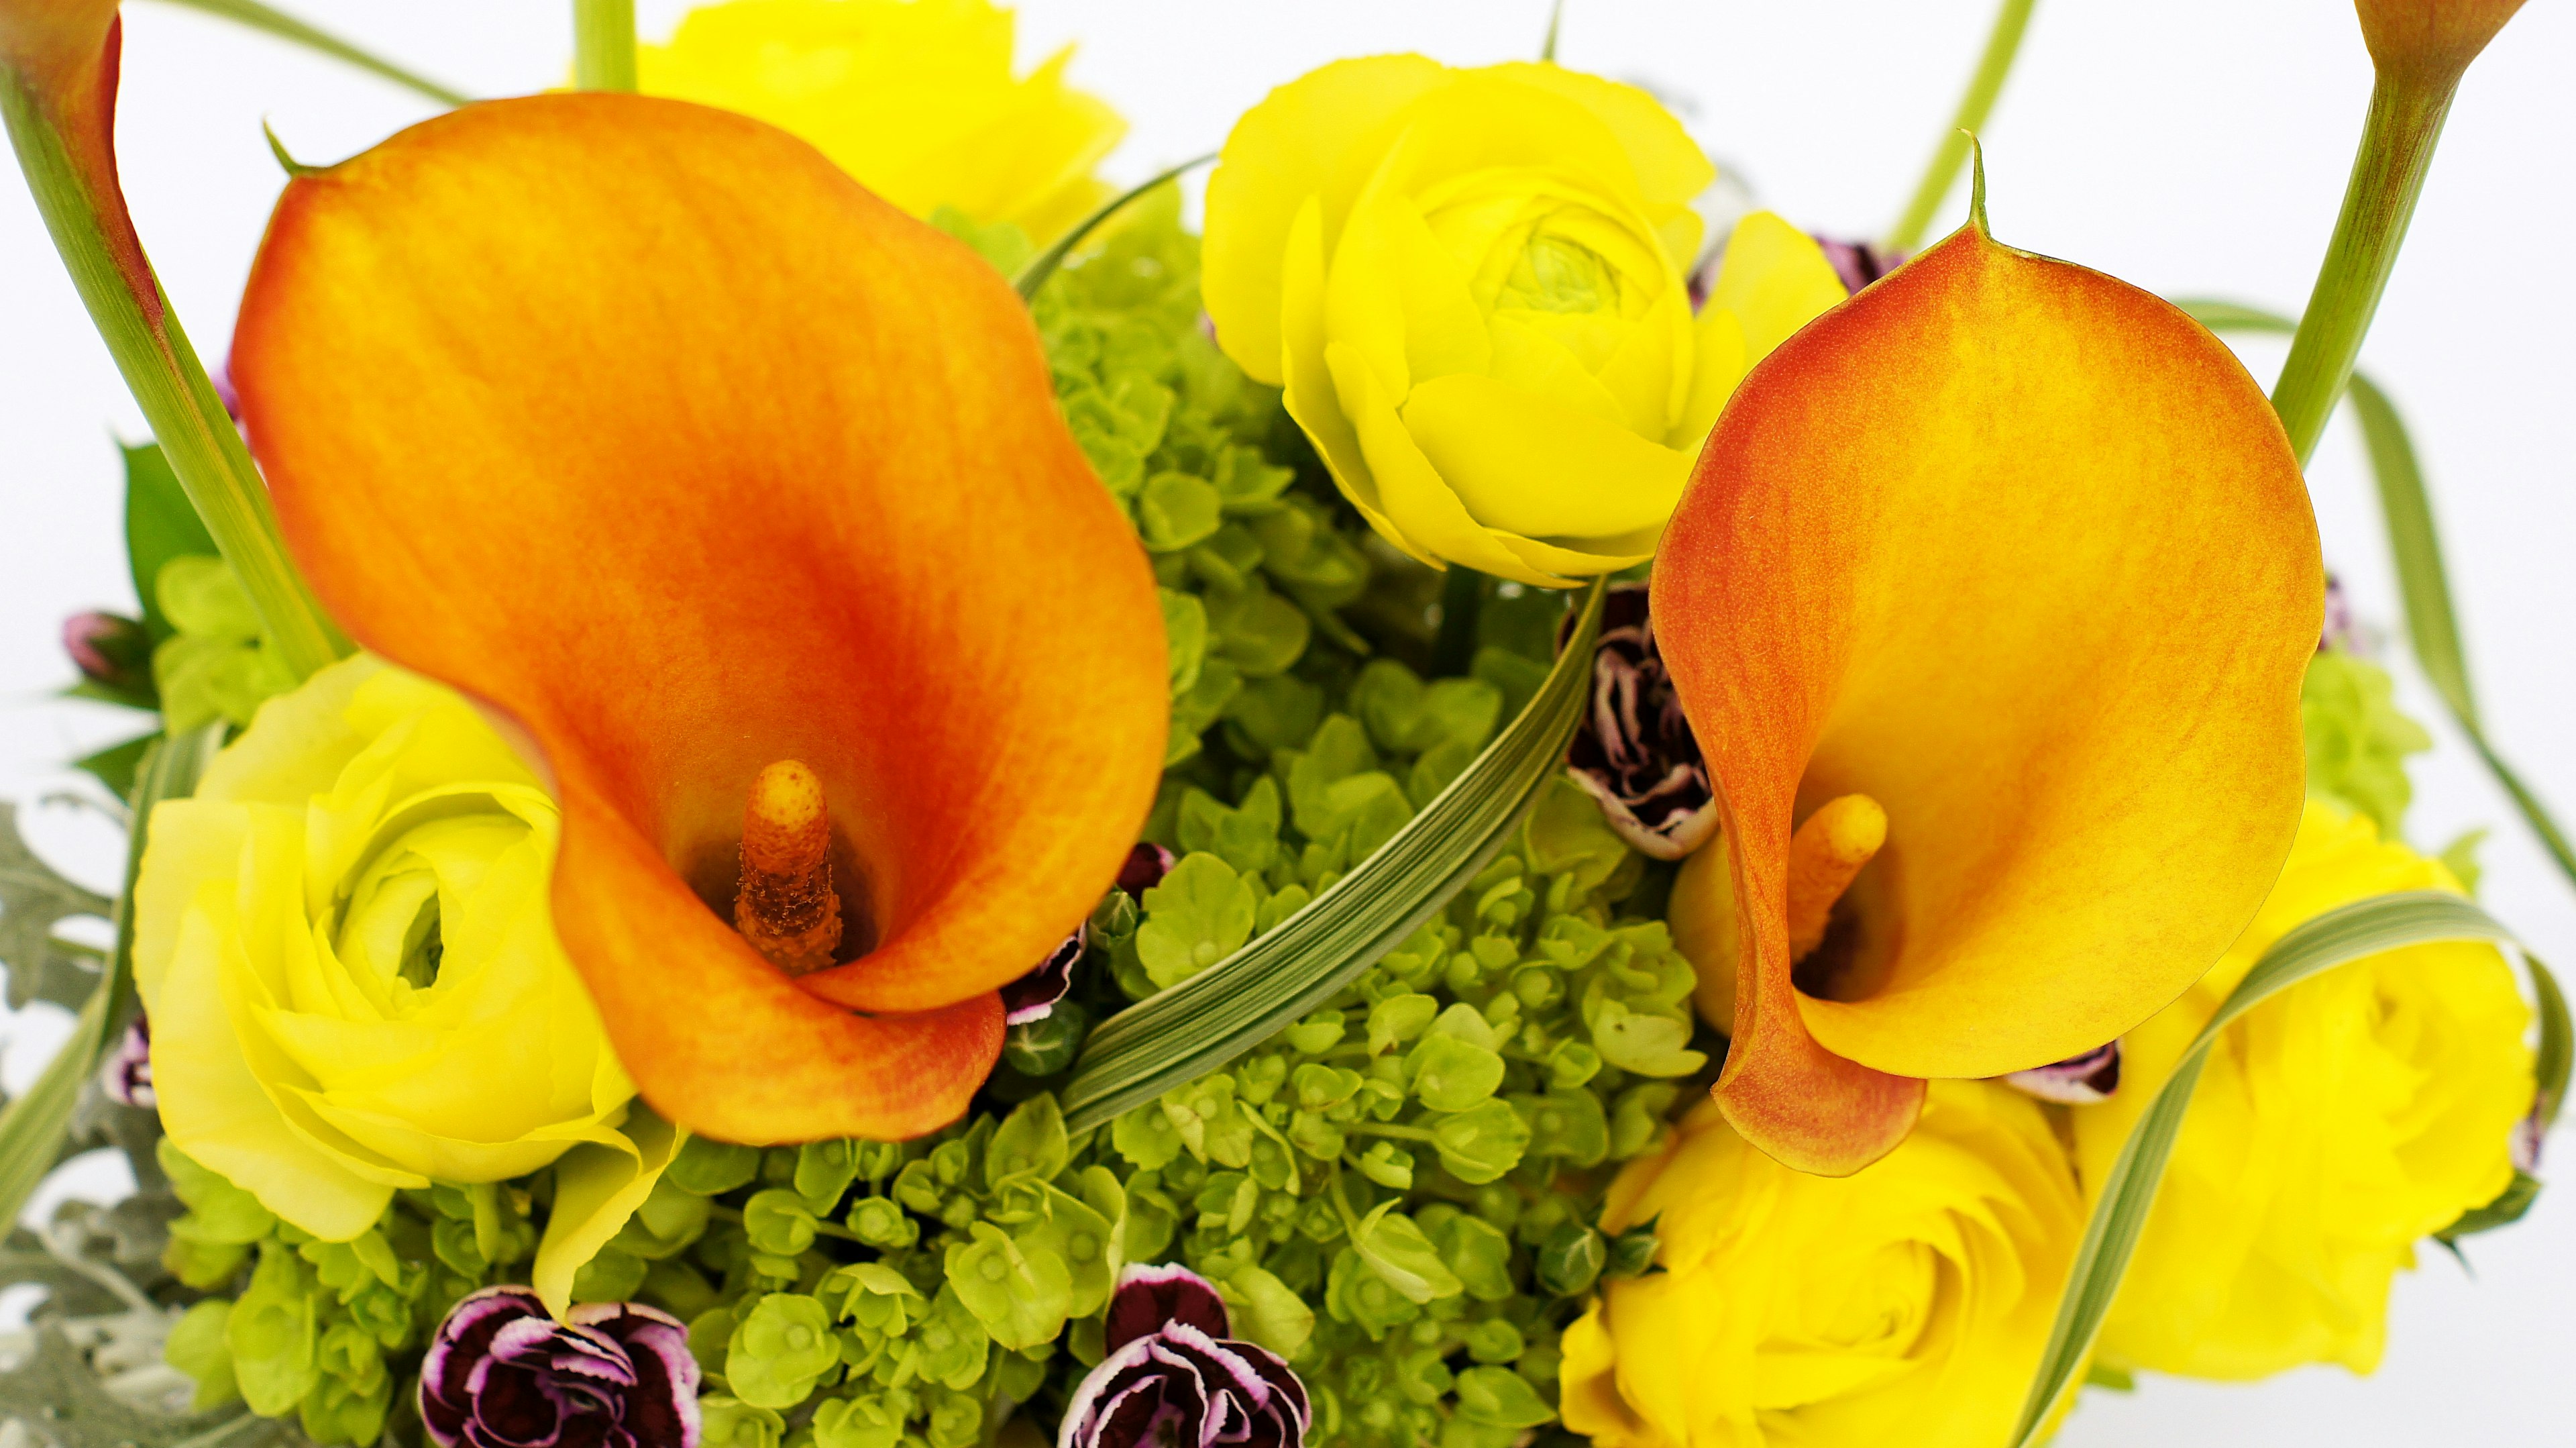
(2357,741)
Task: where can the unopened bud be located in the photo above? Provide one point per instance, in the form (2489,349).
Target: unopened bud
(110,650)
(2429,42)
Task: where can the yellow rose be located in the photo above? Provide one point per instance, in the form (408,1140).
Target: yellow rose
(1906,1303)
(2335,1125)
(344,944)
(1470,283)
(915,98)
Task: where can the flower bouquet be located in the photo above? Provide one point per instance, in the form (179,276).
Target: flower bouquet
(805,780)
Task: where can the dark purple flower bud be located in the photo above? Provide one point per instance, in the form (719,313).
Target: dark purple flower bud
(1173,1379)
(2527,1133)
(503,1374)
(1859,263)
(1149,1297)
(126,1074)
(109,649)
(1146,866)
(2343,632)
(1634,751)
(1033,996)
(2075,1081)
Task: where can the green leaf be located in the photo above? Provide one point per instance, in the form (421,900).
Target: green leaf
(2356,931)
(56,1387)
(287,27)
(33,900)
(2509,1207)
(116,765)
(1187,1030)
(2549,1065)
(780,1350)
(2432,626)
(1393,1245)
(1200,913)
(1266,1312)
(160,525)
(32,1127)
(1021,1297)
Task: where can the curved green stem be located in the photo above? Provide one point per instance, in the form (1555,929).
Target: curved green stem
(286,27)
(2002,44)
(603,44)
(71,174)
(1035,274)
(2397,140)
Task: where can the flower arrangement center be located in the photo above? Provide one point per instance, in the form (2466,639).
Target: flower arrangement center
(786,906)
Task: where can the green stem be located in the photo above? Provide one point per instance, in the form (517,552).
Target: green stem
(603,44)
(2002,44)
(33,1125)
(1462,602)
(2397,140)
(88,222)
(1555,19)
(1045,265)
(286,27)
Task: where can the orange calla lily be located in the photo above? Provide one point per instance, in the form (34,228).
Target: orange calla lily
(645,426)
(2019,553)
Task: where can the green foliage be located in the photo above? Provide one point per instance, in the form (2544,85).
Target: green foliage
(34,899)
(2357,741)
(215,664)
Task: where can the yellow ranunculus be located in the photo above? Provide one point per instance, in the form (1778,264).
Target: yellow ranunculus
(2334,1126)
(915,98)
(1906,1303)
(344,944)
(1471,284)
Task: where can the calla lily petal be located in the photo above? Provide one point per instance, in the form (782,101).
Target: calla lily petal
(2019,552)
(647,427)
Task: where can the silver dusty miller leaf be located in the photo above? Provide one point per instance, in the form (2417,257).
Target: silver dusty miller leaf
(33,900)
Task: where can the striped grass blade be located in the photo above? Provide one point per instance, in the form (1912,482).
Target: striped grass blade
(1177,1035)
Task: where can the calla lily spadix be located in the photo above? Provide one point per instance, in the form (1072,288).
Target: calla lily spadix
(646,427)
(1994,587)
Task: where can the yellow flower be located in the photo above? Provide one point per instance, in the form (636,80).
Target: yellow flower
(1471,284)
(1906,1303)
(2335,1125)
(915,98)
(344,944)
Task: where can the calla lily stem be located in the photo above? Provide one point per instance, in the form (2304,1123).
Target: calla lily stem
(2397,140)
(125,301)
(603,44)
(2002,44)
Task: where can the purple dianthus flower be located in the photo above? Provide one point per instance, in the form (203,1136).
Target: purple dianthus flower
(1173,1379)
(502,1373)
(1634,751)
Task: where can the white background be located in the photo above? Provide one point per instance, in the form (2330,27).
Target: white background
(2195,147)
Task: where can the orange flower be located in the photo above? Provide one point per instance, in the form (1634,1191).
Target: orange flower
(2017,554)
(648,428)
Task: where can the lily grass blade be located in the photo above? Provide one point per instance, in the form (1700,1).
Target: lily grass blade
(2432,625)
(2557,1052)
(31,1129)
(1177,1035)
(2364,928)
(1046,263)
(286,27)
